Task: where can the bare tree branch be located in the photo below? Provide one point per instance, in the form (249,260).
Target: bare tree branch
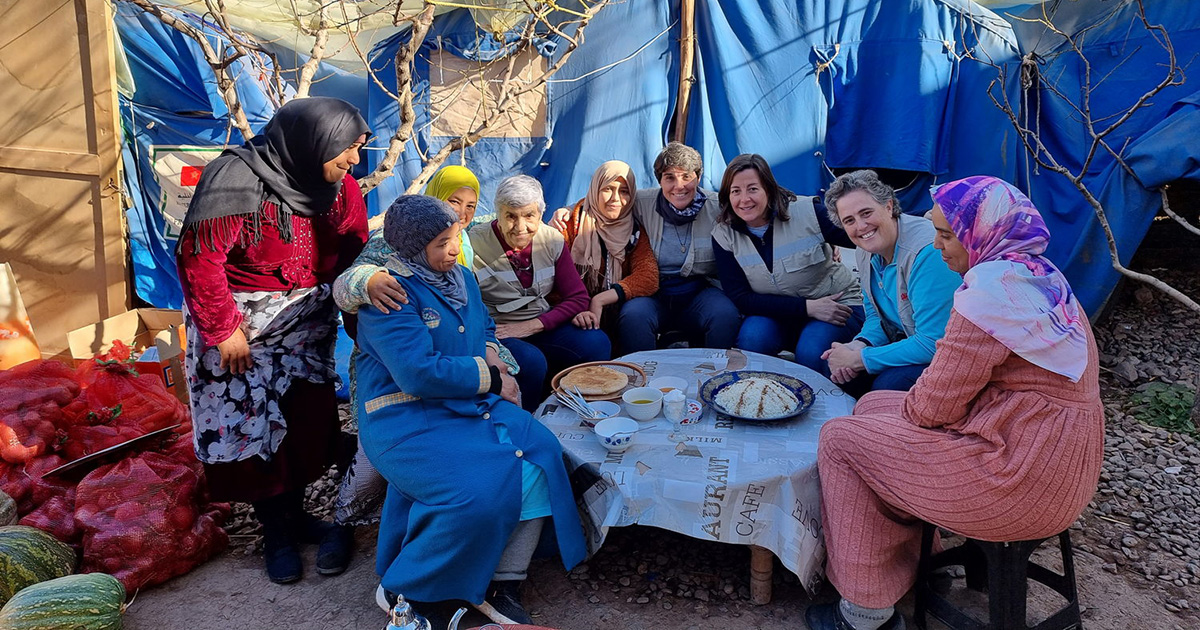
(1033,82)
(320,37)
(1171,213)
(405,58)
(218,63)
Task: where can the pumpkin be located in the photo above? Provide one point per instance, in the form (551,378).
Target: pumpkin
(28,556)
(8,509)
(92,601)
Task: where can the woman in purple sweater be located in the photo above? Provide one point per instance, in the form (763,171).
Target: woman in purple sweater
(531,287)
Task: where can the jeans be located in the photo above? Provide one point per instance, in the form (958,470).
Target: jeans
(555,350)
(900,378)
(707,316)
(768,335)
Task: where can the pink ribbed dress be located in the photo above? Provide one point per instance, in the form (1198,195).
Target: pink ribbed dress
(986,444)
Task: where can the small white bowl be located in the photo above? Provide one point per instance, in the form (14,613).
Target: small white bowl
(666,383)
(643,410)
(607,409)
(616,434)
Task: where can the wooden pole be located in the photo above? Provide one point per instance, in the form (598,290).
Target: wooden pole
(762,568)
(687,57)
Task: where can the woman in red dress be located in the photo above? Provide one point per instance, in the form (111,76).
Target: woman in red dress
(272,223)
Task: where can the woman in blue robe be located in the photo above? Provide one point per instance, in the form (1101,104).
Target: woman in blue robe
(472,478)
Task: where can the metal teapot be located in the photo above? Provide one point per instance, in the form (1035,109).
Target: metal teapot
(403,617)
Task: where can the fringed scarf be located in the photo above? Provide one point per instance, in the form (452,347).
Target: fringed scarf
(276,174)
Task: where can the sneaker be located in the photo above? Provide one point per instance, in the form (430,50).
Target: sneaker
(502,604)
(829,617)
(385,599)
(337,547)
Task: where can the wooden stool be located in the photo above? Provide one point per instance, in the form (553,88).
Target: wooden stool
(1002,570)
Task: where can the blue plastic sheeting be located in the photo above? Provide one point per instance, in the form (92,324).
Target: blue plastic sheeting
(813,86)
(175,104)
(1125,63)
(599,107)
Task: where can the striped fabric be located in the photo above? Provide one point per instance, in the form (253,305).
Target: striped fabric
(986,444)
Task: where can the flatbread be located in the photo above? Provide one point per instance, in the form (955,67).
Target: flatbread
(594,380)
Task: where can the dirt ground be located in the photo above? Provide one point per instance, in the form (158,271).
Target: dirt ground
(232,593)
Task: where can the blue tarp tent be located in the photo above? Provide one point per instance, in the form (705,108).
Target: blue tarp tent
(1125,63)
(816,86)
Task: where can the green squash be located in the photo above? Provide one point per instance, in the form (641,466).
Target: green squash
(8,510)
(28,556)
(93,601)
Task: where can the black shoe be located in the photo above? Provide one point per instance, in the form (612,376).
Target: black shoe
(279,543)
(283,561)
(439,614)
(829,617)
(307,529)
(337,547)
(502,604)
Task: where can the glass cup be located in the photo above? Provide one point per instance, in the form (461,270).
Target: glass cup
(676,411)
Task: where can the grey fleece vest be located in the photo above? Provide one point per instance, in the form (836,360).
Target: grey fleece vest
(913,234)
(506,300)
(700,260)
(802,264)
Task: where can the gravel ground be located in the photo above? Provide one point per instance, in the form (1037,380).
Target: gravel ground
(1145,519)
(1144,522)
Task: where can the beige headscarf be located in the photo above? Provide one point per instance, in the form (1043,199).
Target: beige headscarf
(593,227)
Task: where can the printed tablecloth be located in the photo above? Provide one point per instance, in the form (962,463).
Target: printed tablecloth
(732,481)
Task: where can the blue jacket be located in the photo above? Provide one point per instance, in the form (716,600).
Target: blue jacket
(429,426)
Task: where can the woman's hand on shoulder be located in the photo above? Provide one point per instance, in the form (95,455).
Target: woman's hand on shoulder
(385,292)
(559,219)
(827,309)
(235,353)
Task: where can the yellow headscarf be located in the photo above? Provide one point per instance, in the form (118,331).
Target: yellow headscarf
(446,182)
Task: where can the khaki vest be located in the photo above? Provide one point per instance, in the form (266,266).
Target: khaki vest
(506,300)
(913,234)
(803,264)
(700,260)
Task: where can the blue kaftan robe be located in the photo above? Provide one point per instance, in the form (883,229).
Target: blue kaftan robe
(452,453)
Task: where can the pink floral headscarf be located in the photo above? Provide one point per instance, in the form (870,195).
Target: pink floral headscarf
(1010,290)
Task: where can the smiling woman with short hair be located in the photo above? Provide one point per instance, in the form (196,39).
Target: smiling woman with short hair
(522,264)
(907,291)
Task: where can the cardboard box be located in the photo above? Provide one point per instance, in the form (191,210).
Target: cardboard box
(157,329)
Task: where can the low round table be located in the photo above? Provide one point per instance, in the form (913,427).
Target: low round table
(732,481)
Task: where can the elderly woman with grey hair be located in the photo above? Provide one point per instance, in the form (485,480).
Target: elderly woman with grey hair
(520,264)
(907,289)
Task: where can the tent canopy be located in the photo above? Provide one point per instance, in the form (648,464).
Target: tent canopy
(815,86)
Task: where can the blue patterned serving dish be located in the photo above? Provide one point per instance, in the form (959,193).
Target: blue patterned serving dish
(800,389)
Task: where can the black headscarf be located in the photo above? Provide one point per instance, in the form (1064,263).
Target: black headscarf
(284,164)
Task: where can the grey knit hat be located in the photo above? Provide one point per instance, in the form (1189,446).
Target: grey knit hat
(413,221)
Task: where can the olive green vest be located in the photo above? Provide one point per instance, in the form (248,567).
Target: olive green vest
(802,264)
(505,298)
(700,260)
(912,235)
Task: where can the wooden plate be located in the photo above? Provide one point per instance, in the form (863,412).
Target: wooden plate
(637,377)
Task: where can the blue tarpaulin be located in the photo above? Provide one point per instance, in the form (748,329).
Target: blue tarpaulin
(816,86)
(1125,62)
